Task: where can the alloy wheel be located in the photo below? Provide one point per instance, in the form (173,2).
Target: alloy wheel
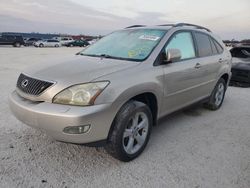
(135,133)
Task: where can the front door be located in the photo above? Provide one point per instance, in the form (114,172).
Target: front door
(183,78)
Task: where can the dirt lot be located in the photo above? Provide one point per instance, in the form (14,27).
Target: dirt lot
(195,148)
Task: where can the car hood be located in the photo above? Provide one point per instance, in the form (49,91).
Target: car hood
(78,69)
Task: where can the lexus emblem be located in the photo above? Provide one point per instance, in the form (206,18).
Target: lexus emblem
(24,83)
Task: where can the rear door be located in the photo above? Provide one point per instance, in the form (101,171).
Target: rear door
(184,78)
(209,57)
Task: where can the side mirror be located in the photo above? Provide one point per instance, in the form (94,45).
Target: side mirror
(172,55)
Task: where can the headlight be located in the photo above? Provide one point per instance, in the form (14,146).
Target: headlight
(80,95)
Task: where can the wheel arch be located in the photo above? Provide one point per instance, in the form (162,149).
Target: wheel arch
(225,76)
(147,97)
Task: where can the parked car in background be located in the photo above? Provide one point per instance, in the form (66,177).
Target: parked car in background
(14,40)
(92,41)
(241,65)
(117,89)
(31,41)
(80,43)
(47,43)
(64,40)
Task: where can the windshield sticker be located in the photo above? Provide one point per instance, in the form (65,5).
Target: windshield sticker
(149,37)
(132,53)
(139,52)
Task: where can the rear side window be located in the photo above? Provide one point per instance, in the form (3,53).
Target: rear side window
(218,46)
(214,49)
(203,44)
(184,42)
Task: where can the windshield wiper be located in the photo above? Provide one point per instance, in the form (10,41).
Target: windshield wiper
(108,56)
(95,55)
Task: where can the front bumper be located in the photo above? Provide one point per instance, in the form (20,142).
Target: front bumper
(53,118)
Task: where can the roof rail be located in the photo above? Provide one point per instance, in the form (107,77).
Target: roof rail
(174,25)
(134,26)
(167,25)
(193,25)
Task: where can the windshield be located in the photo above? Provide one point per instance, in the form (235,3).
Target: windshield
(135,45)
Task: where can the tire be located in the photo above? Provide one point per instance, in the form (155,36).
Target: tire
(217,97)
(17,44)
(41,45)
(127,129)
(56,45)
(71,45)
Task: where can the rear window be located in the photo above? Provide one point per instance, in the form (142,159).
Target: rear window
(203,44)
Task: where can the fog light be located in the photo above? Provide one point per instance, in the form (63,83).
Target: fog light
(76,129)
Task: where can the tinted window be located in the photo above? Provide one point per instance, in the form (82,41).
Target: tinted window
(203,44)
(32,39)
(52,41)
(10,37)
(218,46)
(184,42)
(214,49)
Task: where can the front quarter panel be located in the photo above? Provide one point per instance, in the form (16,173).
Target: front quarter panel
(125,85)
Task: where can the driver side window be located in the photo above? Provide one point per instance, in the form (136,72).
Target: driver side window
(182,41)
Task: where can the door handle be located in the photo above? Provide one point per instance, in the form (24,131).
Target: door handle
(197,66)
(220,60)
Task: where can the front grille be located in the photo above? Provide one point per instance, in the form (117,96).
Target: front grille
(32,86)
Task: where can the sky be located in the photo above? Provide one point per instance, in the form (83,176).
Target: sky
(230,19)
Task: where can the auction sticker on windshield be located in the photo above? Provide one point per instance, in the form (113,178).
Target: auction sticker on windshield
(149,37)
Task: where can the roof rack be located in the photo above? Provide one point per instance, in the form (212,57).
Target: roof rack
(193,25)
(132,26)
(174,25)
(167,25)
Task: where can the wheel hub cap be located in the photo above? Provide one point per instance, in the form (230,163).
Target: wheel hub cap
(136,132)
(219,94)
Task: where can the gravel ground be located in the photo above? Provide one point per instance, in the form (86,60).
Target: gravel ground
(195,148)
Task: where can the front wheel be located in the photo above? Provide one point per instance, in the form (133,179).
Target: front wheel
(217,97)
(131,131)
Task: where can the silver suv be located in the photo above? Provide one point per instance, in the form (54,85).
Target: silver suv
(115,90)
